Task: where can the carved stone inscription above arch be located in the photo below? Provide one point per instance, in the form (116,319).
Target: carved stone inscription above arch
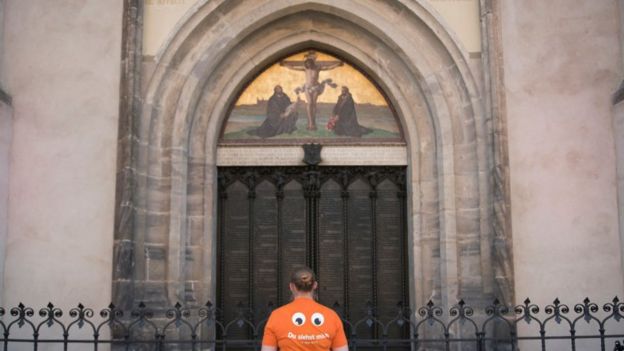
(166,204)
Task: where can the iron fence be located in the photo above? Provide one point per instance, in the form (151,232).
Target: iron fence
(462,327)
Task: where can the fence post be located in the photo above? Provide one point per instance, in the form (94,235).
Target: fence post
(480,341)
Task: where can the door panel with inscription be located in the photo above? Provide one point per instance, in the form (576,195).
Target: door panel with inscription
(347,223)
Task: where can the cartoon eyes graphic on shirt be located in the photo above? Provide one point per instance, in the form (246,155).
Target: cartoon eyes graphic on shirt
(298,319)
(318,319)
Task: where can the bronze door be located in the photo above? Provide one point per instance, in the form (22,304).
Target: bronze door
(347,223)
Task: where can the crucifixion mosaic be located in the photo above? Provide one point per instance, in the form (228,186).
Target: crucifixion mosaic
(311,95)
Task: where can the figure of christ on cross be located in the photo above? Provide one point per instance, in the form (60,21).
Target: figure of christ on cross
(312,88)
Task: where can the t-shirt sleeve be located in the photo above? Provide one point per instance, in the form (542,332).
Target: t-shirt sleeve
(340,339)
(269,338)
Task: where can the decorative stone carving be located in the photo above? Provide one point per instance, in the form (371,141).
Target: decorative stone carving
(312,154)
(167,189)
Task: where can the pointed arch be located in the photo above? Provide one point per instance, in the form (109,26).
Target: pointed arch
(222,44)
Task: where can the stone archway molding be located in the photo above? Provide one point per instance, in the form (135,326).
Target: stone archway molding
(166,217)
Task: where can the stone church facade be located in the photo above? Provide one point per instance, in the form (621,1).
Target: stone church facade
(166,209)
(110,152)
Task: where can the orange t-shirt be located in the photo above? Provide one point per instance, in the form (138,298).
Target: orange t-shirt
(304,325)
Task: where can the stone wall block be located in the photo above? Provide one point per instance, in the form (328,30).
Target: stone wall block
(179,163)
(153,293)
(429,206)
(431,241)
(124,220)
(6,134)
(197,143)
(461,90)
(192,292)
(474,132)
(158,194)
(470,287)
(435,272)
(465,160)
(196,230)
(159,162)
(148,66)
(427,193)
(430,267)
(166,96)
(453,132)
(209,27)
(158,159)
(141,124)
(464,201)
(430,222)
(468,244)
(140,154)
(160,137)
(193,263)
(155,255)
(181,125)
(123,294)
(125,144)
(201,62)
(467,185)
(204,59)
(468,220)
(428,170)
(123,259)
(618,131)
(157,230)
(155,251)
(195,177)
(126,186)
(209,58)
(140,222)
(160,133)
(195,204)
(178,197)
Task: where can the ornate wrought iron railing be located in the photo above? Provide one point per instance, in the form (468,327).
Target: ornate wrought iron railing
(585,326)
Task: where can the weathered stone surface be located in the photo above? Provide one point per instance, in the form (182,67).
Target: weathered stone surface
(330,155)
(222,44)
(123,258)
(6,131)
(561,146)
(618,128)
(156,264)
(62,71)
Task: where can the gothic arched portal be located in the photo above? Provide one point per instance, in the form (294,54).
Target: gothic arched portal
(166,215)
(346,221)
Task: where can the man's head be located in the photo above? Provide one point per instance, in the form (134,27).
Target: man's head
(278,89)
(310,55)
(303,280)
(345,90)
(309,63)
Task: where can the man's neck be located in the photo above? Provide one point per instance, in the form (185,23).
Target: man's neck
(304,296)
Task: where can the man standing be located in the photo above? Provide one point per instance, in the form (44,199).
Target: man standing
(312,88)
(304,324)
(281,116)
(344,118)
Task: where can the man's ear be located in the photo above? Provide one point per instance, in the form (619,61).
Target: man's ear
(292,287)
(315,285)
